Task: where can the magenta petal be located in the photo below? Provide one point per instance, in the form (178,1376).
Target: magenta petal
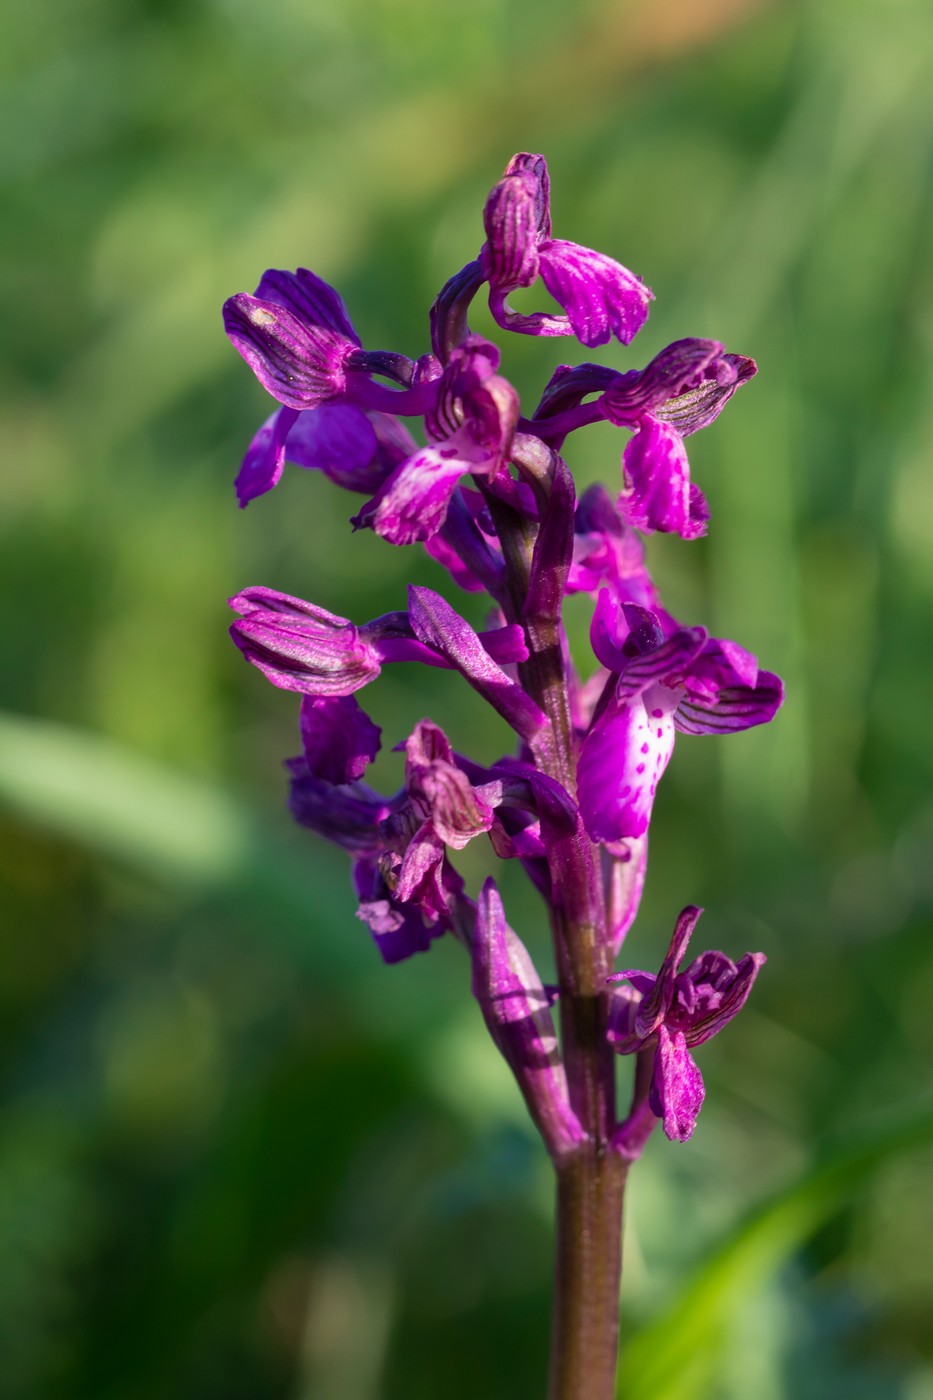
(510,256)
(440,791)
(398,930)
(606,630)
(601,297)
(516,1010)
(664,665)
(535,166)
(659,1000)
(720,990)
(734,709)
(677,1090)
(265,457)
(621,763)
(300,365)
(300,647)
(623,1008)
(657,493)
(412,504)
(310,298)
(338,737)
(702,405)
(437,625)
(677,367)
(339,440)
(626,881)
(419,875)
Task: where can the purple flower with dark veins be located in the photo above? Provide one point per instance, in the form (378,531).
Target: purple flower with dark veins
(442,810)
(688,681)
(296,336)
(300,646)
(683,389)
(673,1013)
(469,427)
(602,298)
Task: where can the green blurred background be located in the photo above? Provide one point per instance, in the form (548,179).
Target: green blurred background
(239,1158)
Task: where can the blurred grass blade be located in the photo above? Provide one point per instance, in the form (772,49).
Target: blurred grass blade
(92,791)
(676,1357)
(192,837)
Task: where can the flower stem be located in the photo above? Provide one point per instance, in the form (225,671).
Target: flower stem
(591,1177)
(588,1270)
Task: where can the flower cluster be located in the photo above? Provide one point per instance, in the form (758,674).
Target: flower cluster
(443,457)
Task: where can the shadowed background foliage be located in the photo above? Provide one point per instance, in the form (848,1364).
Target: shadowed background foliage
(239,1159)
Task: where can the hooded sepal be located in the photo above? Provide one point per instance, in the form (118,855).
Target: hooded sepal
(516,1010)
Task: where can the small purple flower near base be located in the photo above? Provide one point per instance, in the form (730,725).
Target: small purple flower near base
(673,1013)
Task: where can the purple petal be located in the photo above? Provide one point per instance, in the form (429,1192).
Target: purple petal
(512,223)
(720,990)
(525,163)
(470,396)
(666,665)
(735,708)
(623,1008)
(677,1090)
(621,763)
(310,298)
(419,876)
(347,814)
(398,931)
(657,1003)
(265,457)
(438,626)
(300,647)
(627,867)
(299,365)
(699,407)
(658,493)
(601,297)
(606,628)
(412,504)
(516,1009)
(680,366)
(439,789)
(338,737)
(339,440)
(606,548)
(444,553)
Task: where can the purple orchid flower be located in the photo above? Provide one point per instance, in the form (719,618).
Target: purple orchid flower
(405,882)
(688,681)
(469,426)
(673,1013)
(299,646)
(683,389)
(601,297)
(442,810)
